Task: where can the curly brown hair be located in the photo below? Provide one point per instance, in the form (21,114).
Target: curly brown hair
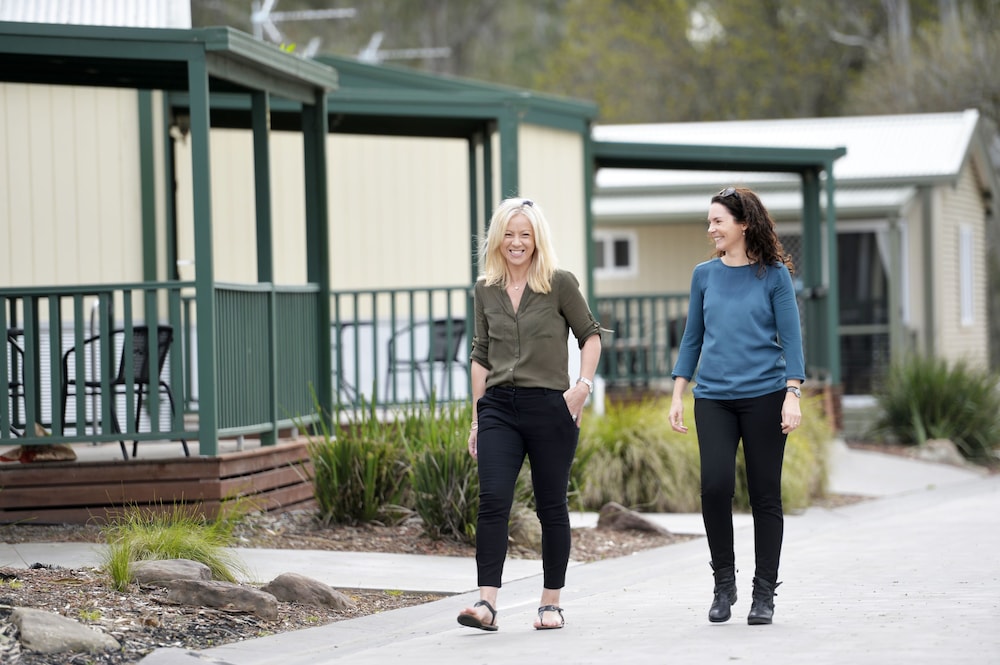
(761,237)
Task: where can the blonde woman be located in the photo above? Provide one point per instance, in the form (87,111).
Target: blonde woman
(524,404)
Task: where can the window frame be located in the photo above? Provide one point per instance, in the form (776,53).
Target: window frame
(609,238)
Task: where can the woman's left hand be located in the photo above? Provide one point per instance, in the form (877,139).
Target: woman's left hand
(791,414)
(575,398)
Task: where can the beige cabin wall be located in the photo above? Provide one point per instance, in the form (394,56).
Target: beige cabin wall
(961,206)
(70,199)
(398,210)
(667,255)
(551,173)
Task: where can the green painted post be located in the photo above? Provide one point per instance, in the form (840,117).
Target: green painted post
(510,184)
(833,293)
(318,233)
(260,114)
(208,416)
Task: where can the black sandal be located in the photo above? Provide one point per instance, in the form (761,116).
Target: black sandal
(550,608)
(472,621)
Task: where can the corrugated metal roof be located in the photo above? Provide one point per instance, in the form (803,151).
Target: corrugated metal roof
(903,147)
(123,13)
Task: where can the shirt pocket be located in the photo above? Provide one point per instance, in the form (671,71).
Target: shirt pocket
(501,326)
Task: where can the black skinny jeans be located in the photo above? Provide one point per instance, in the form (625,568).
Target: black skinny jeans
(513,423)
(721,424)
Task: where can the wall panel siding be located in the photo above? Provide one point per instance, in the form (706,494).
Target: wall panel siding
(16,195)
(398,210)
(71,211)
(551,171)
(961,205)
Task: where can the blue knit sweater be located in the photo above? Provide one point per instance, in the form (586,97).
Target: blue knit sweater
(745,330)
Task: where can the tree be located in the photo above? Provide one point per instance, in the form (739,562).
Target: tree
(688,60)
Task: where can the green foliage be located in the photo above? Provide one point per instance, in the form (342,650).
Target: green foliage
(926,398)
(178,533)
(358,469)
(443,475)
(632,456)
(805,470)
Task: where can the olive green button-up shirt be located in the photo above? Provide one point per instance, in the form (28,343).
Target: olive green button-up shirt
(529,348)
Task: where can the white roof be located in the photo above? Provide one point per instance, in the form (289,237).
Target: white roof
(899,147)
(886,157)
(122,13)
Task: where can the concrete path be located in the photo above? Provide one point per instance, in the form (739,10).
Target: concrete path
(909,577)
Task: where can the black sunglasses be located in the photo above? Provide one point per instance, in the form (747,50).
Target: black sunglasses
(728,191)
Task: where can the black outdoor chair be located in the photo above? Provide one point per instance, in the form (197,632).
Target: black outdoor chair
(140,376)
(443,342)
(15,382)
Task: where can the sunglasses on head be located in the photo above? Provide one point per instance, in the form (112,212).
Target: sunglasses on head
(728,191)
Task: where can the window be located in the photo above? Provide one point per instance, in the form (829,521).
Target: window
(615,254)
(965,271)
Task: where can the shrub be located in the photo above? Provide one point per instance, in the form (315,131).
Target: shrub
(924,398)
(180,533)
(632,456)
(358,469)
(444,482)
(805,472)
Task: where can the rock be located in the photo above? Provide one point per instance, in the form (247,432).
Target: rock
(295,588)
(619,518)
(525,530)
(941,451)
(224,596)
(47,632)
(159,571)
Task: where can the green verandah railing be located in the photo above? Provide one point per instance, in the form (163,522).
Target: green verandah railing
(401,346)
(63,369)
(646,332)
(389,347)
(60,339)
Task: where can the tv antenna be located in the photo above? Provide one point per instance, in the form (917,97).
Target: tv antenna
(373,54)
(264,20)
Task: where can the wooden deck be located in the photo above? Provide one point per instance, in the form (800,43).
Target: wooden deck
(92,489)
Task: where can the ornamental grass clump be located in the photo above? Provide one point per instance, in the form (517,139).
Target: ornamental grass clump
(443,478)
(632,456)
(179,532)
(923,398)
(359,470)
(806,467)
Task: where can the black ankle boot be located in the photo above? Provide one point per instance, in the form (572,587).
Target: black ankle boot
(762,609)
(725,594)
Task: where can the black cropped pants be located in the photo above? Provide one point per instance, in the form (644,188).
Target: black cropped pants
(721,425)
(514,423)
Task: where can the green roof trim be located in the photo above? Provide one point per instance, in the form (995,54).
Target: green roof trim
(626,155)
(407,93)
(155,59)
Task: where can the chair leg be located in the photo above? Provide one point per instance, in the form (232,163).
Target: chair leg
(173,411)
(117,428)
(138,412)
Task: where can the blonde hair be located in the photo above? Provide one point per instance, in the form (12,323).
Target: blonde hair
(493,265)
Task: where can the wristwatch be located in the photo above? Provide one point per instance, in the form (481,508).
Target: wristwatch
(795,390)
(590,384)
